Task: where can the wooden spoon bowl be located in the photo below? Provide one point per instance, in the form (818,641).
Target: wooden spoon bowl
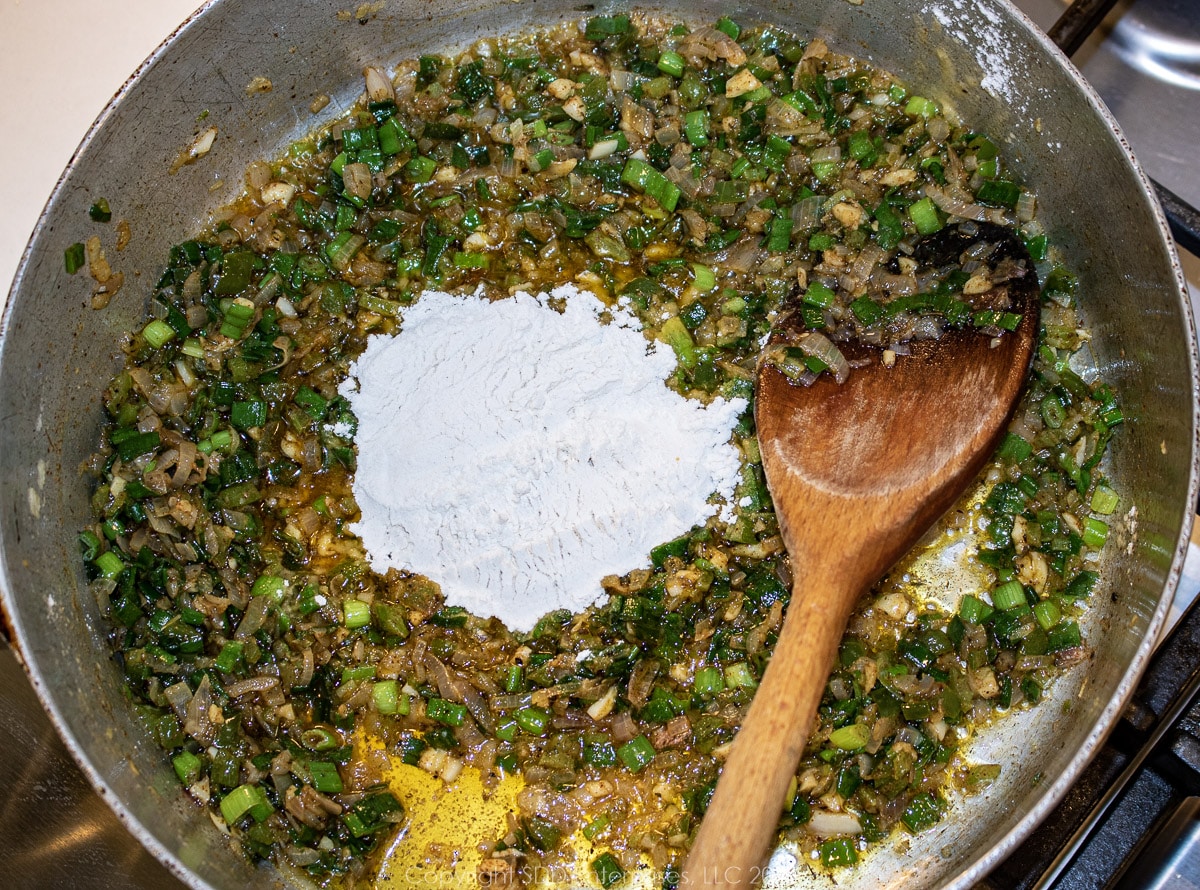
(858,471)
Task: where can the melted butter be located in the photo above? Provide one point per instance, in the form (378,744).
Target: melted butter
(942,566)
(438,845)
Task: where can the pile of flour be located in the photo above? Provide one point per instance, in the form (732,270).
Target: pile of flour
(516,454)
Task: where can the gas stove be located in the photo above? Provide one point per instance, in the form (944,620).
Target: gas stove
(1133,819)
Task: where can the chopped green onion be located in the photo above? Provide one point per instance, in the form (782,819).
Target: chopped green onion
(314,404)
(243,800)
(602,26)
(671,63)
(507,729)
(342,248)
(513,679)
(696,127)
(237,270)
(1014,448)
(109,564)
(636,753)
(230,657)
(358,673)
(532,720)
(1053,412)
(100,211)
(859,145)
(802,102)
(824,170)
(739,676)
(542,834)
(780,236)
(919,106)
(1009,595)
(850,738)
(838,851)
(1037,245)
(74,258)
(819,295)
(708,682)
(1065,636)
(974,610)
(821,241)
(675,334)
(325,777)
(889,228)
(598,750)
(734,306)
(762,91)
(249,414)
(137,444)
(642,177)
(729,27)
(386,696)
(1095,533)
(360,139)
(703,278)
(1104,500)
(596,826)
(999,193)
(922,812)
(238,315)
(866,310)
(1047,614)
(470,260)
(270,586)
(445,712)
(187,766)
(420,169)
(89,544)
(373,812)
(924,216)
(393,138)
(607,870)
(1082,585)
(320,738)
(158,333)
(356,614)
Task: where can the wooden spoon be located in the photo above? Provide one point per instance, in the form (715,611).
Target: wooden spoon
(858,472)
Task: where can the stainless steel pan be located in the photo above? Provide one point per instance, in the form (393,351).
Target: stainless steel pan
(981,58)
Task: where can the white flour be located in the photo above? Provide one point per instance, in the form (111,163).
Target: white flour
(516,454)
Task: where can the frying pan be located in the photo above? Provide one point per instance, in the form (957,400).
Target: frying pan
(982,59)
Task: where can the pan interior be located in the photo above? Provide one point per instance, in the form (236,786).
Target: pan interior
(979,58)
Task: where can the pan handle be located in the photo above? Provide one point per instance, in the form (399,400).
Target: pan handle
(1069,33)
(1079,20)
(1183,218)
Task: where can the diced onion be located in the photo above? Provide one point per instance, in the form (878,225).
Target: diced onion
(821,347)
(825,823)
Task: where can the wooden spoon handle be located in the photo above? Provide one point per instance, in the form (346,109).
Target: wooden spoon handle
(738,830)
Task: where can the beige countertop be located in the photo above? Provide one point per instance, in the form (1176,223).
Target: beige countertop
(60,63)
